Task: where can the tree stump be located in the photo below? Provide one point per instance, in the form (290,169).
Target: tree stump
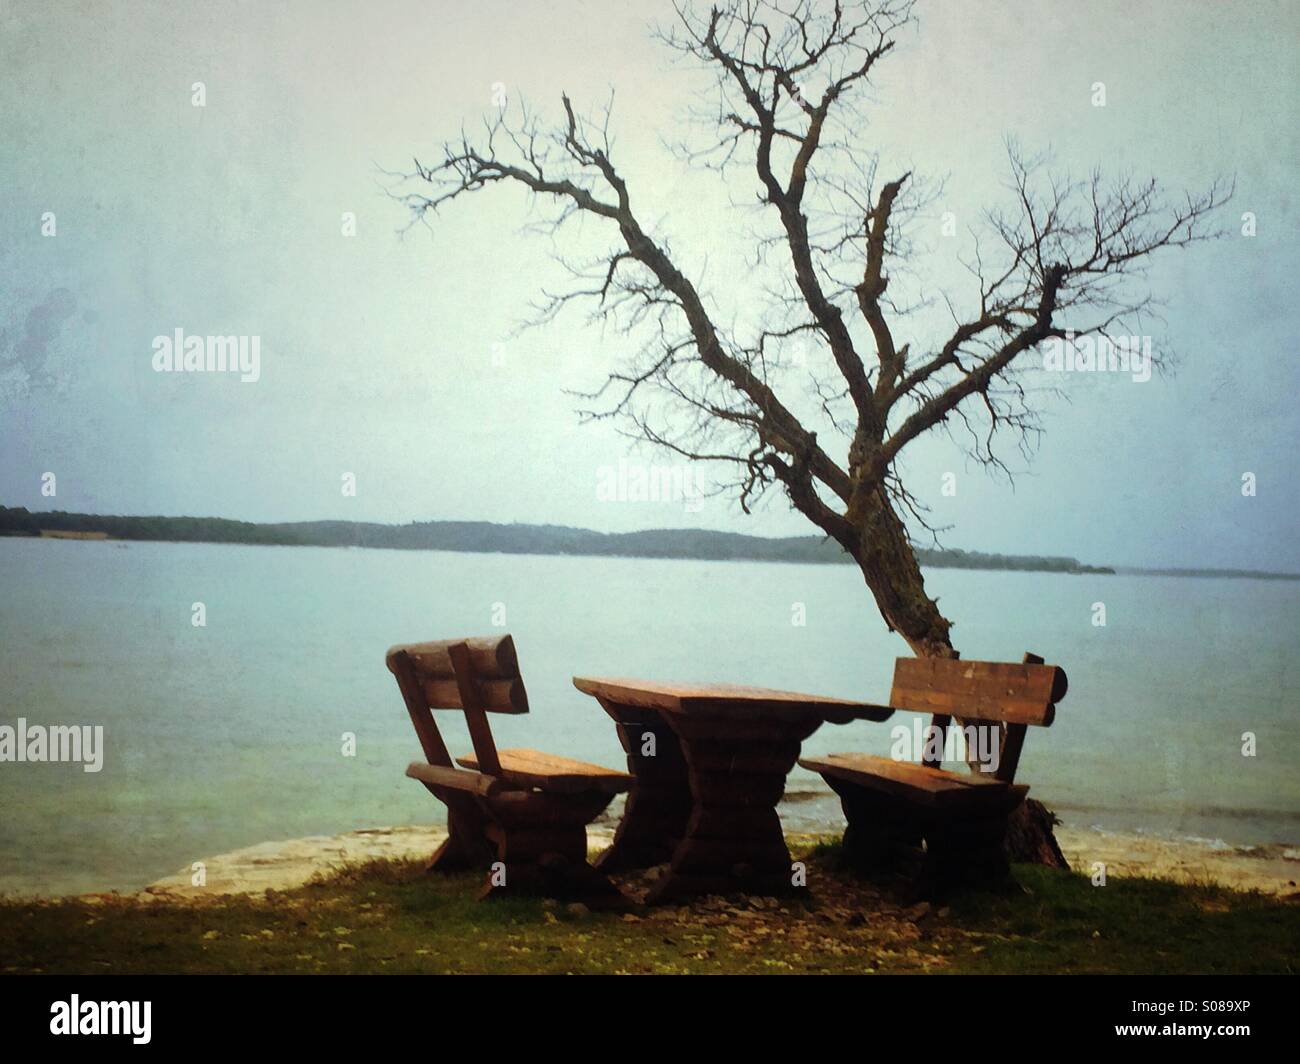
(1030,839)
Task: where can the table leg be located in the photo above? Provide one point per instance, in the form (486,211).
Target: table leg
(659,804)
(734,843)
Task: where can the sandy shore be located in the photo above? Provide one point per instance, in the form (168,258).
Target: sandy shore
(284,865)
(1263,868)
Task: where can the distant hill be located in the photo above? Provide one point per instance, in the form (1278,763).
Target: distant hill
(487,537)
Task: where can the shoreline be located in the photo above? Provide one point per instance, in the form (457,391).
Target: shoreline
(285,865)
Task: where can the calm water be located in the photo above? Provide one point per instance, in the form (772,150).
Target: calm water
(231,734)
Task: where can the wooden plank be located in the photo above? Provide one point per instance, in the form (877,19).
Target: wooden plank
(724,699)
(979,690)
(740,746)
(1012,745)
(467,845)
(906,779)
(938,723)
(1013,739)
(435,750)
(691,729)
(497,696)
(561,774)
(493,657)
(665,765)
(732,788)
(741,762)
(471,782)
(480,732)
(567,840)
(738,754)
(531,808)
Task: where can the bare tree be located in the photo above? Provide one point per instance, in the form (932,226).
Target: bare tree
(1060,259)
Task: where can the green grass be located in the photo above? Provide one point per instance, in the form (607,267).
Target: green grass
(1065,924)
(388,917)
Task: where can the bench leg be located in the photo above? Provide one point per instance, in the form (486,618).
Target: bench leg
(467,847)
(881,834)
(931,851)
(965,852)
(541,848)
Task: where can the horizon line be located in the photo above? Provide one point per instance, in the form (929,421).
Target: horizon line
(1146,568)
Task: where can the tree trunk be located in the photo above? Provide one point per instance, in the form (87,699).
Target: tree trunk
(888,562)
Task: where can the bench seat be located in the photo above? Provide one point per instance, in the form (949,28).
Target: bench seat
(933,788)
(561,775)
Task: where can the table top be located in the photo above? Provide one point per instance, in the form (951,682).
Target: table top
(704,698)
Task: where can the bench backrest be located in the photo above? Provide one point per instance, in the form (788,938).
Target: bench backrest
(990,692)
(478,675)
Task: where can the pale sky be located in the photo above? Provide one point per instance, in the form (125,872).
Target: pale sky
(393,359)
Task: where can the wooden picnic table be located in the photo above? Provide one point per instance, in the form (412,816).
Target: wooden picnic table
(710,762)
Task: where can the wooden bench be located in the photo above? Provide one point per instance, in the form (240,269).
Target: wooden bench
(950,826)
(519,814)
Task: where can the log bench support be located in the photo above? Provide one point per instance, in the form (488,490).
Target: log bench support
(540,845)
(467,847)
(926,851)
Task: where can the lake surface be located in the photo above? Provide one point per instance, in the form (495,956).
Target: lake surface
(222,736)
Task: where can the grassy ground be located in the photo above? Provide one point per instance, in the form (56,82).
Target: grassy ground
(388,917)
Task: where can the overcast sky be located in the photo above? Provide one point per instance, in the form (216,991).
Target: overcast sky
(392,358)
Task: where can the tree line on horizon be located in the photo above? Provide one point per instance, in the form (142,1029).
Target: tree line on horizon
(490,537)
